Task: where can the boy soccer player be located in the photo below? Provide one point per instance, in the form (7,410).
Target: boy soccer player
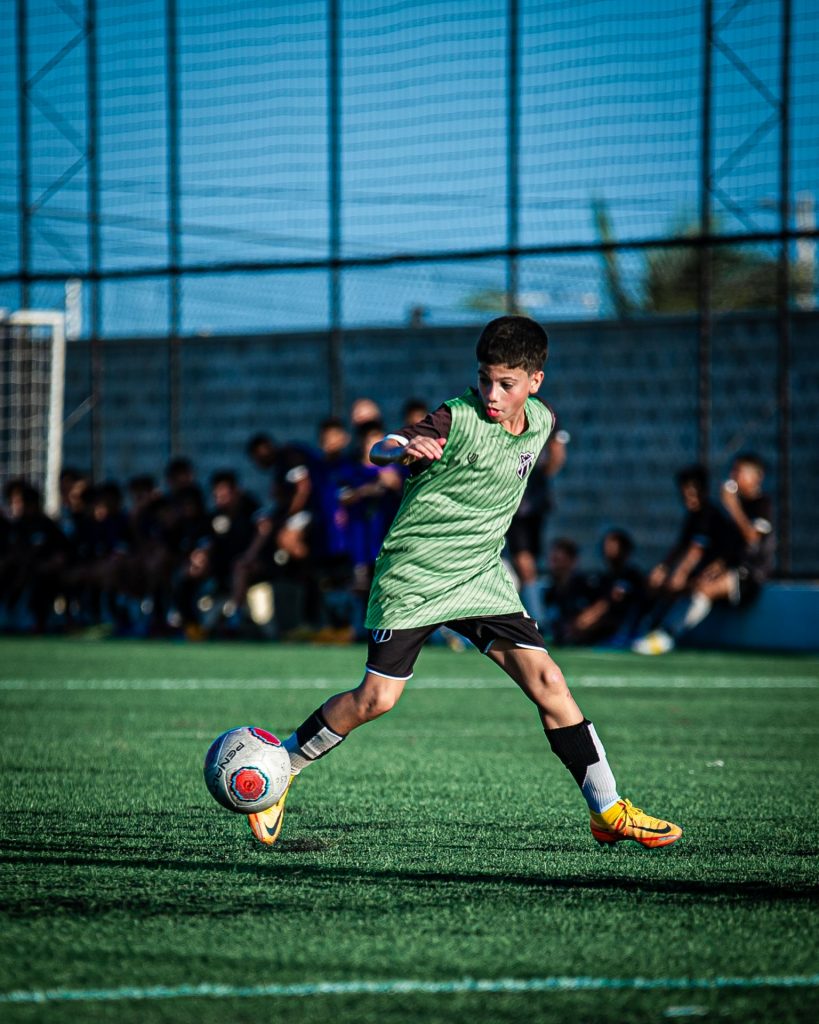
(440,565)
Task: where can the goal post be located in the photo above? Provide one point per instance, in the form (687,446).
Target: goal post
(32,382)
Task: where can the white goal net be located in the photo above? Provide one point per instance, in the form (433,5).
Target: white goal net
(32,374)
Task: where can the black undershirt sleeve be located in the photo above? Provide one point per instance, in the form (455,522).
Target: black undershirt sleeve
(435,424)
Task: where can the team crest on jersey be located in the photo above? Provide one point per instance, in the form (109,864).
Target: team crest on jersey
(526,462)
(381,636)
(472,458)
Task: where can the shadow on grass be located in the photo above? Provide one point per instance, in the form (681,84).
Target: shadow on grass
(335,883)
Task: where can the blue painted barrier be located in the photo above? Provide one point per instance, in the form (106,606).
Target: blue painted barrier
(785,617)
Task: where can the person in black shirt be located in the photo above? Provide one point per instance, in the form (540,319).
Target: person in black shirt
(568,592)
(743,559)
(617,595)
(33,554)
(525,535)
(289,466)
(705,537)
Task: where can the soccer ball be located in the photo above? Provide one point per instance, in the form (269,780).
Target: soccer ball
(247,769)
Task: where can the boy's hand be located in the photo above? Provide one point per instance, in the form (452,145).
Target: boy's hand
(422,448)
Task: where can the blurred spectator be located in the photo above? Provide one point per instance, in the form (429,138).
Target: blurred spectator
(413,411)
(616,596)
(33,553)
(146,570)
(232,526)
(97,577)
(205,585)
(364,410)
(525,535)
(745,561)
(568,593)
(190,539)
(74,487)
(334,472)
(705,537)
(370,501)
(72,483)
(179,474)
(289,466)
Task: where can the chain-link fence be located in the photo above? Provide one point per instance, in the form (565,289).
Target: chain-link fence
(197,169)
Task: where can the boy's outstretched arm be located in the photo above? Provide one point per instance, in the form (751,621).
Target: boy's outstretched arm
(389,451)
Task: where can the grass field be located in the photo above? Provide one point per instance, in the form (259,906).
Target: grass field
(442,843)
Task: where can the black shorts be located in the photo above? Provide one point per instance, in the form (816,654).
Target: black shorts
(524,534)
(746,586)
(392,652)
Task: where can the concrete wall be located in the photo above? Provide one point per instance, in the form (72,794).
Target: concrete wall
(627,393)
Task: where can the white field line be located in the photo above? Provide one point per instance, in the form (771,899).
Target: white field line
(677,682)
(410,986)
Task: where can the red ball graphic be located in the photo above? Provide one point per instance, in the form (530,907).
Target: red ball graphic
(266,737)
(249,784)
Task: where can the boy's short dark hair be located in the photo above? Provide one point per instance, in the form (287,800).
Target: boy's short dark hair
(750,459)
(17,485)
(413,404)
(224,476)
(141,482)
(332,423)
(694,474)
(513,341)
(368,427)
(623,538)
(180,465)
(257,441)
(566,545)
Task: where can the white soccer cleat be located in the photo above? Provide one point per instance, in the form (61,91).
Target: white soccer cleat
(656,642)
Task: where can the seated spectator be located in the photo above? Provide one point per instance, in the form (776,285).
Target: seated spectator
(232,526)
(616,593)
(33,554)
(568,593)
(189,540)
(73,483)
(364,410)
(101,544)
(146,571)
(333,472)
(179,474)
(370,501)
(289,466)
(745,561)
(74,491)
(704,536)
(207,580)
(413,411)
(525,534)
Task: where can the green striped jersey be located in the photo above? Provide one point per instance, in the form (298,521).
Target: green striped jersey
(441,558)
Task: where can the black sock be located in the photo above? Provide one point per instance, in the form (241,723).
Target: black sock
(581,751)
(313,739)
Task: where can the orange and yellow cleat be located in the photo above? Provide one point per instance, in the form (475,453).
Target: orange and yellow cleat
(266,826)
(625,821)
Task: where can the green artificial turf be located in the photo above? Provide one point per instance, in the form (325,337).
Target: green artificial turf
(442,842)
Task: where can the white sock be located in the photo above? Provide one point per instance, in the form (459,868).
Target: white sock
(313,739)
(599,787)
(698,609)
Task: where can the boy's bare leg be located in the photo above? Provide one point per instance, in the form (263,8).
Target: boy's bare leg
(328,726)
(373,697)
(335,718)
(541,680)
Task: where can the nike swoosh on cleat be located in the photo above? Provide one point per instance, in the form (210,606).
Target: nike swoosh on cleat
(656,831)
(272,831)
